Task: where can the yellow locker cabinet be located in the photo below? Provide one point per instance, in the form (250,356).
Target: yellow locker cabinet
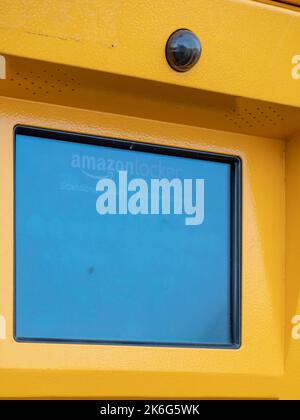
(99,68)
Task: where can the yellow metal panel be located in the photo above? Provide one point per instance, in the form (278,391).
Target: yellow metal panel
(247,46)
(98,67)
(254,370)
(70,86)
(291,382)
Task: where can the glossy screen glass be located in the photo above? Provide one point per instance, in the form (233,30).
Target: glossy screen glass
(131,275)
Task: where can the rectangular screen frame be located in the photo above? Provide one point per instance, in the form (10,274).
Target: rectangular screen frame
(235,225)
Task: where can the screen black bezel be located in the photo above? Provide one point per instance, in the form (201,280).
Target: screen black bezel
(235,225)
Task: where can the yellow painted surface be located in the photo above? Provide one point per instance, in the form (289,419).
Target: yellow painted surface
(261,357)
(247,46)
(291,383)
(2,67)
(2,328)
(98,67)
